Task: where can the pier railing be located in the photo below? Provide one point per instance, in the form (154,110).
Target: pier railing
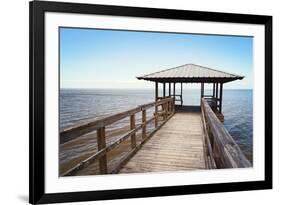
(221,149)
(165,111)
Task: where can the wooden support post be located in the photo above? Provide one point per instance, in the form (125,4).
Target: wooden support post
(217,91)
(133,126)
(174,92)
(143,124)
(101,145)
(202,90)
(181,94)
(221,88)
(181,88)
(164,90)
(156,107)
(213,89)
(169,89)
(156,91)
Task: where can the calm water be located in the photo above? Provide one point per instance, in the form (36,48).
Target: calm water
(80,105)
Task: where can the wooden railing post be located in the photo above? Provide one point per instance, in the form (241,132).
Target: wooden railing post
(169,108)
(143,124)
(167,104)
(133,126)
(101,145)
(173,106)
(166,110)
(156,116)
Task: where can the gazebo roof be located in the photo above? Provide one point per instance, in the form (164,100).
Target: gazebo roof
(191,73)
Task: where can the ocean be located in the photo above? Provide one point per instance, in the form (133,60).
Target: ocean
(83,105)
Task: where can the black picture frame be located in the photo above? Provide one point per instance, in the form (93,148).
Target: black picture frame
(37,192)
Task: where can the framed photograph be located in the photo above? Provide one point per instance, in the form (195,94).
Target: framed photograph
(140,102)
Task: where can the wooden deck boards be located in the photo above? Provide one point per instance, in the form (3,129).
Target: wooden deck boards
(177,146)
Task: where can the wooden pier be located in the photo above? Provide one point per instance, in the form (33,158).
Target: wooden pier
(182,137)
(179,141)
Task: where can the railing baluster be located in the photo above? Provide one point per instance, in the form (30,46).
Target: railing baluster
(156,116)
(168,108)
(166,111)
(173,106)
(133,126)
(143,124)
(101,145)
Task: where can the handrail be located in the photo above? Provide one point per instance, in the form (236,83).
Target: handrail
(78,130)
(209,156)
(224,149)
(68,134)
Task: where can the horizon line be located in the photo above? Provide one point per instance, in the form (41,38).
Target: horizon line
(114,88)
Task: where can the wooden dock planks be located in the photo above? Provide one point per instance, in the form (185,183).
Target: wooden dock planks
(177,146)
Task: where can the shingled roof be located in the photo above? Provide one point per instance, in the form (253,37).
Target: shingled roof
(191,73)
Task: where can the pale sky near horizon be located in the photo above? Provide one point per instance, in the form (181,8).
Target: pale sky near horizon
(91,58)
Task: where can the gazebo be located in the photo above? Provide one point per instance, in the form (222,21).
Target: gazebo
(191,73)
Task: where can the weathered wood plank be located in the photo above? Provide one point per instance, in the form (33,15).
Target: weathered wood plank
(176,146)
(133,151)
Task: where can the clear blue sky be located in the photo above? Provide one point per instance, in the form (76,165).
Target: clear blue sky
(91,58)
